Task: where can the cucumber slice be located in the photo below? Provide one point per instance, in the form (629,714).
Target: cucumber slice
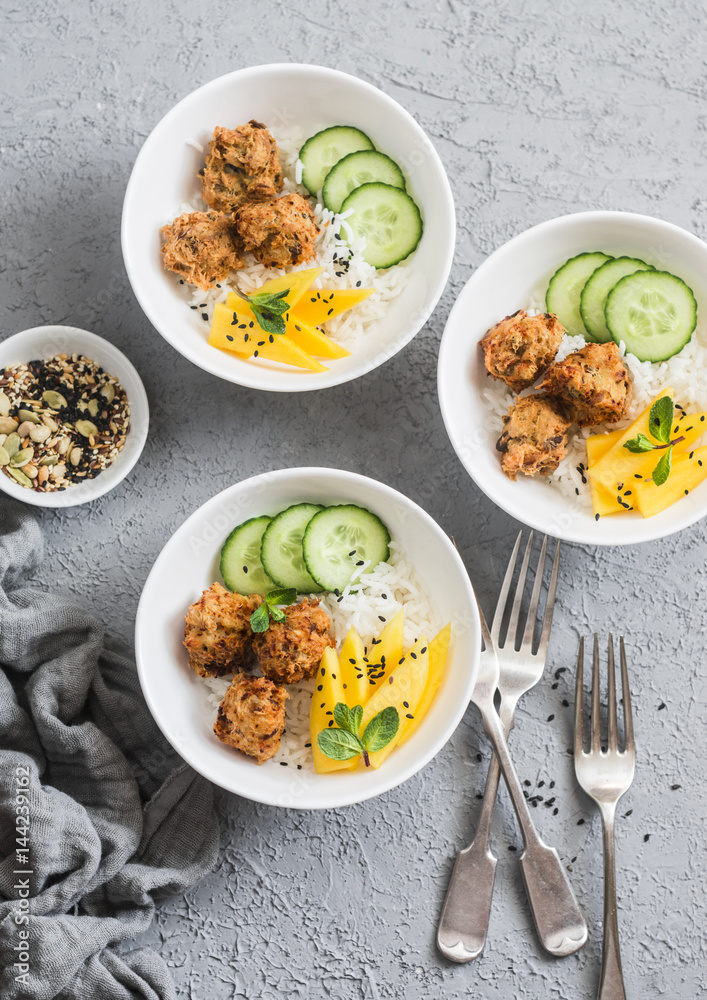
(241,568)
(653,312)
(388,218)
(352,171)
(323,150)
(337,539)
(592,301)
(281,548)
(565,288)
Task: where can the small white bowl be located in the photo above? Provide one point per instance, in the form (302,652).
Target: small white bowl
(44,342)
(188,564)
(313,97)
(509,280)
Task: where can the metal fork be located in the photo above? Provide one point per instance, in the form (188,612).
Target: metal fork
(464,922)
(558,919)
(605,775)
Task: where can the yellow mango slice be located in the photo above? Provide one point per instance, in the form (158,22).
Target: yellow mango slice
(328,692)
(297,283)
(250,341)
(312,340)
(403,688)
(688,471)
(619,465)
(352,670)
(384,652)
(323,304)
(604,501)
(438,651)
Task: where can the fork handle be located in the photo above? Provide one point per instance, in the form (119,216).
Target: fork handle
(611,984)
(558,919)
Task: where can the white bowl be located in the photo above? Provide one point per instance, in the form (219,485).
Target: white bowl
(188,564)
(44,342)
(509,280)
(165,175)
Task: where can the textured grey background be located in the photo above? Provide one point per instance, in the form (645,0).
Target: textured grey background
(536,110)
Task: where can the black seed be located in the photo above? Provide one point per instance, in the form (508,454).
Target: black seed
(320,687)
(283,763)
(526,783)
(555,685)
(478,795)
(565,703)
(479,757)
(646,837)
(307,745)
(674,788)
(580,822)
(628,813)
(555,811)
(358,285)
(512,847)
(323,671)
(360,562)
(662,706)
(241,326)
(552,784)
(550,718)
(409,716)
(405,705)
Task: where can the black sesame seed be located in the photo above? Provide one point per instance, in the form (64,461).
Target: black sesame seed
(409,716)
(478,795)
(550,718)
(245,569)
(352,552)
(360,562)
(512,847)
(479,757)
(307,745)
(358,284)
(320,687)
(555,811)
(241,326)
(555,685)
(229,337)
(662,706)
(674,788)
(381,618)
(405,705)
(580,822)
(205,316)
(646,837)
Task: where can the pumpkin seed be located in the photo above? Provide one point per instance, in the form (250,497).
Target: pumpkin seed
(5,404)
(40,434)
(108,392)
(24,428)
(19,475)
(8,425)
(22,457)
(51,424)
(4,457)
(49,460)
(29,415)
(54,400)
(86,428)
(93,407)
(12,444)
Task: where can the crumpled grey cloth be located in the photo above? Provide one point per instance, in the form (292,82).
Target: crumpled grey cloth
(110,816)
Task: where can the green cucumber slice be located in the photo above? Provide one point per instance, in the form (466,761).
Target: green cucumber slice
(565,288)
(363,167)
(241,568)
(338,539)
(592,301)
(388,218)
(281,548)
(323,150)
(653,312)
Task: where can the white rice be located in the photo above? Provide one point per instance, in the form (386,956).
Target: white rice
(366,605)
(344,266)
(686,372)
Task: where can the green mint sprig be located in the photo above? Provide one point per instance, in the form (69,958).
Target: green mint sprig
(269,309)
(660,422)
(260,619)
(344,742)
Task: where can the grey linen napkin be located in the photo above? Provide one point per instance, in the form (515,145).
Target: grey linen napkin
(110,816)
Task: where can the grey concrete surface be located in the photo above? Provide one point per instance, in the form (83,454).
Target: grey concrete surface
(537,109)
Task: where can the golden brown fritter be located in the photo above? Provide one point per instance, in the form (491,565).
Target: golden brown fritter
(534,439)
(218,636)
(201,247)
(593,385)
(251,716)
(242,165)
(292,649)
(279,233)
(520,348)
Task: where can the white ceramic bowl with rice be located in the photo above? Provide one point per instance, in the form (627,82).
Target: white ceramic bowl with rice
(424,574)
(45,342)
(516,277)
(294,102)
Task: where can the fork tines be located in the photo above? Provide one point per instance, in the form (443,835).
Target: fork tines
(612,745)
(530,621)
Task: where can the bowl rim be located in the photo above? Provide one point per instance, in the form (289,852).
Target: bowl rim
(125,462)
(324,380)
(516,510)
(334,799)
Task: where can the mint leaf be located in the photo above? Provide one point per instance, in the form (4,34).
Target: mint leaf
(342,717)
(269,309)
(381,729)
(660,420)
(277,615)
(339,744)
(285,595)
(260,619)
(663,468)
(356,718)
(639,444)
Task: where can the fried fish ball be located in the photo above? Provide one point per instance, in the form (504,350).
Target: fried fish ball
(520,348)
(279,233)
(242,165)
(251,716)
(217,635)
(201,247)
(291,650)
(534,439)
(593,385)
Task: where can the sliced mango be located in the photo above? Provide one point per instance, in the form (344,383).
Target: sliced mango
(323,304)
(328,692)
(353,669)
(604,501)
(385,652)
(297,283)
(688,471)
(403,688)
(312,340)
(619,465)
(248,341)
(438,651)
